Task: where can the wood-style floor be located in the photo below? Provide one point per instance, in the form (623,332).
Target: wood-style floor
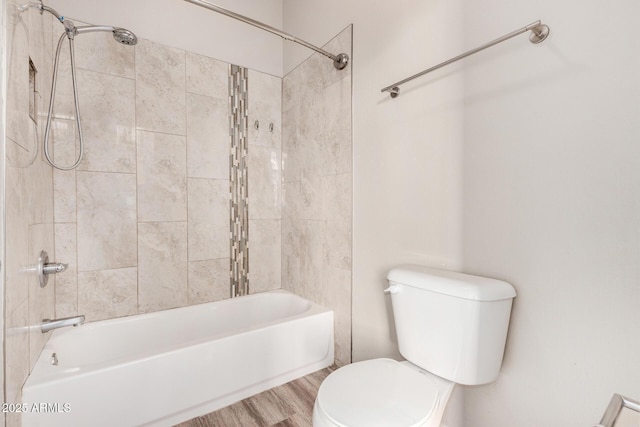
(288,405)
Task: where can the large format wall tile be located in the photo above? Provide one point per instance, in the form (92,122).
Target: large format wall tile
(337,295)
(291,147)
(290,267)
(64,202)
(39,181)
(336,208)
(311,196)
(209,280)
(290,252)
(106,221)
(162,177)
(63,141)
(207,76)
(310,246)
(265,261)
(66,247)
(98,52)
(108,122)
(160,88)
(265,106)
(207,137)
(303,80)
(106,294)
(208,219)
(16,239)
(162,265)
(337,147)
(264,182)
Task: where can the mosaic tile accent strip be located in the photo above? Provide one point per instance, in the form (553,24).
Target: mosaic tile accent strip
(238,179)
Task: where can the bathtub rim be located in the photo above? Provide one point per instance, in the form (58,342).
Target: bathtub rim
(68,373)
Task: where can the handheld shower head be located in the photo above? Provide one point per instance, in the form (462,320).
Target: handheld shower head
(124,36)
(121,35)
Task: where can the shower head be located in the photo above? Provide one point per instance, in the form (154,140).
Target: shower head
(121,35)
(124,36)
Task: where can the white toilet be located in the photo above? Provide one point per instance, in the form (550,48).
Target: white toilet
(451,328)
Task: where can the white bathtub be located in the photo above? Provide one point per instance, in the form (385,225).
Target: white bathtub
(163,368)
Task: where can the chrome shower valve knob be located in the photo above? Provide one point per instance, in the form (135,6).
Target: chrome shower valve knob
(54,268)
(45,268)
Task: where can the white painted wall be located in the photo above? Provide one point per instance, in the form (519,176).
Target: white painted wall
(552,204)
(521,163)
(183,25)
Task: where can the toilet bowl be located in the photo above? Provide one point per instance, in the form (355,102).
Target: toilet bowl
(381,393)
(451,328)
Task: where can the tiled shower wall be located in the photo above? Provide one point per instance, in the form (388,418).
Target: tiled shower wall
(28,198)
(144,220)
(317,186)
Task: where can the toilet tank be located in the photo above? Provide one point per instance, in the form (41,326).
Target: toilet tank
(451,324)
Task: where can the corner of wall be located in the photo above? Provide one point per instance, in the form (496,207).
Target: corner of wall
(3,122)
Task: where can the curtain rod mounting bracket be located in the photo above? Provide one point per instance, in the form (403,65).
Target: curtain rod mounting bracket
(341,61)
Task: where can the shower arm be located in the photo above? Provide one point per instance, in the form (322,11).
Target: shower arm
(91,28)
(51,10)
(69,27)
(340,61)
(42,8)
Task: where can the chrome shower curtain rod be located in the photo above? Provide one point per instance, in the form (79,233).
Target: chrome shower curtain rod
(539,32)
(340,61)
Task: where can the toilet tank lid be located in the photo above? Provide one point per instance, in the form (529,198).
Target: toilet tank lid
(451,283)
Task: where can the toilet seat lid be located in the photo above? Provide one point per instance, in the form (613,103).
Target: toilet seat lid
(379,392)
